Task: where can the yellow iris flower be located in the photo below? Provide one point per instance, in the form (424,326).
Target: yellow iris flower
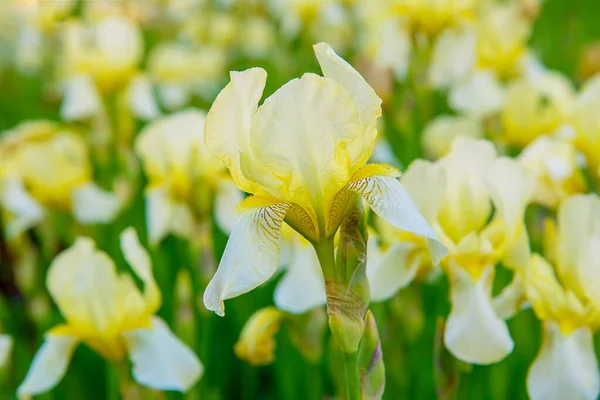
(565,296)
(183,177)
(475,202)
(106,311)
(302,155)
(433,16)
(46,167)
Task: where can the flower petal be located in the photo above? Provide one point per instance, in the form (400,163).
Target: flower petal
(303,286)
(479,95)
(256,344)
(227,127)
(92,204)
(226,198)
(161,360)
(474,333)
(139,260)
(25,209)
(81,99)
(251,255)
(164,216)
(565,367)
(49,365)
(391,271)
(389,200)
(141,98)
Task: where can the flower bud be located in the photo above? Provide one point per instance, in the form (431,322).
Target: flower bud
(371,367)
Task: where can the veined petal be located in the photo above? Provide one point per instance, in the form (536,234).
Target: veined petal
(251,255)
(227,127)
(474,333)
(565,367)
(92,204)
(164,216)
(139,260)
(6,345)
(303,286)
(380,187)
(81,99)
(161,360)
(25,209)
(226,198)
(391,271)
(49,365)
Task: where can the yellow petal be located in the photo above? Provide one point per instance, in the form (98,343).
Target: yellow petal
(139,260)
(565,367)
(49,365)
(161,360)
(474,333)
(256,344)
(389,200)
(228,122)
(251,255)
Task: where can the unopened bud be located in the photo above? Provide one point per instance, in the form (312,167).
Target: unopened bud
(256,344)
(371,367)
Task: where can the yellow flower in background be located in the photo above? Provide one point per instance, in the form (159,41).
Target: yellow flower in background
(256,343)
(44,15)
(587,124)
(106,311)
(535,107)
(47,167)
(302,154)
(564,292)
(433,16)
(183,177)
(439,134)
(475,202)
(554,164)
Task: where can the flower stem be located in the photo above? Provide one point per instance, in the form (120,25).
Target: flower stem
(353,391)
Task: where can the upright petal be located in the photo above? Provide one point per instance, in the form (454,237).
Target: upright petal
(92,204)
(565,367)
(161,360)
(380,187)
(49,365)
(227,128)
(251,255)
(474,333)
(139,260)
(303,286)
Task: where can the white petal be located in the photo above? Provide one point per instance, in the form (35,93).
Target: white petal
(81,99)
(251,255)
(173,96)
(164,216)
(565,367)
(389,200)
(141,99)
(25,209)
(49,365)
(390,272)
(6,345)
(479,95)
(227,197)
(454,57)
(161,360)
(303,286)
(92,204)
(511,299)
(474,333)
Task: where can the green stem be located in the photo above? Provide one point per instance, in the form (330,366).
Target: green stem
(325,254)
(352,377)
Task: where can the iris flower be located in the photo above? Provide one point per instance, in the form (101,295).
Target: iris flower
(302,154)
(106,311)
(563,289)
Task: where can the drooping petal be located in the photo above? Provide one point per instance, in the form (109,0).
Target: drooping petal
(379,186)
(391,271)
(303,286)
(474,333)
(227,128)
(299,135)
(565,367)
(6,345)
(81,99)
(227,197)
(164,216)
(160,359)
(511,299)
(251,255)
(25,209)
(92,204)
(49,365)
(139,260)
